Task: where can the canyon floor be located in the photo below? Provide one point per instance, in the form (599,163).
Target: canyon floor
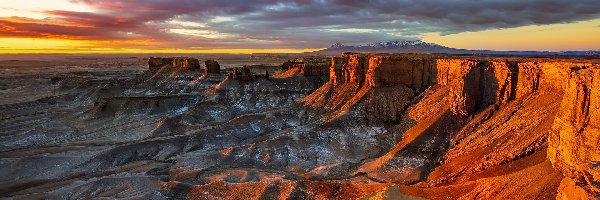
(353,126)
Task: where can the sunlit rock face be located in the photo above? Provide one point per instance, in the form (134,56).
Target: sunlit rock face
(176,62)
(574,143)
(342,127)
(308,66)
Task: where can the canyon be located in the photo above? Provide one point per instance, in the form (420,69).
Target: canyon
(352,126)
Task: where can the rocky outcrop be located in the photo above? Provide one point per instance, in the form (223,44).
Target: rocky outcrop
(415,73)
(175,62)
(212,67)
(477,84)
(243,74)
(335,70)
(290,64)
(315,66)
(309,66)
(349,68)
(574,143)
(383,70)
(502,110)
(381,86)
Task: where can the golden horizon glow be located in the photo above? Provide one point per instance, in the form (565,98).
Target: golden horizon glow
(582,35)
(62,46)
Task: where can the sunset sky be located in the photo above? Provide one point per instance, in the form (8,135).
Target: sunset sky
(254,26)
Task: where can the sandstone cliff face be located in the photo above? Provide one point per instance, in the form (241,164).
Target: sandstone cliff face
(349,69)
(175,62)
(335,71)
(414,73)
(513,106)
(502,112)
(574,143)
(315,66)
(383,71)
(212,67)
(383,84)
(477,84)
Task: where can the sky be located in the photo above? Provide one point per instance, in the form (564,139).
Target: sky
(272,26)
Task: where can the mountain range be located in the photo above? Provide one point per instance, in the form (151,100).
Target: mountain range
(418,46)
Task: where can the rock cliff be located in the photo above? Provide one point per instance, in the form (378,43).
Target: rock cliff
(476,84)
(574,142)
(515,113)
(175,62)
(242,74)
(308,66)
(381,86)
(501,109)
(212,67)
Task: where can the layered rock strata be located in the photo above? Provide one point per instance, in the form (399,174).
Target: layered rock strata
(309,66)
(175,62)
(574,142)
(510,103)
(315,66)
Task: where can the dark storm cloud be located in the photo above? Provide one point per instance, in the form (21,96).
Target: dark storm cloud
(299,23)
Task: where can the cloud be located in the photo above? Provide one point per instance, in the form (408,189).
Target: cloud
(290,24)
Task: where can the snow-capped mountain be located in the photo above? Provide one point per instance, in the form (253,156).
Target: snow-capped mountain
(395,44)
(418,46)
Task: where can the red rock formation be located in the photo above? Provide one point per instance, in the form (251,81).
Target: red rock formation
(335,70)
(309,66)
(415,73)
(574,143)
(242,74)
(477,84)
(175,62)
(349,69)
(383,71)
(509,108)
(212,67)
(315,66)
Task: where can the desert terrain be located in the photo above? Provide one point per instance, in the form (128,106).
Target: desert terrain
(294,126)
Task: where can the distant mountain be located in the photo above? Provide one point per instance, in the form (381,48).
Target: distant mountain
(418,46)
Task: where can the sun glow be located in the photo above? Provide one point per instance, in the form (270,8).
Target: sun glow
(583,35)
(8,45)
(32,45)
